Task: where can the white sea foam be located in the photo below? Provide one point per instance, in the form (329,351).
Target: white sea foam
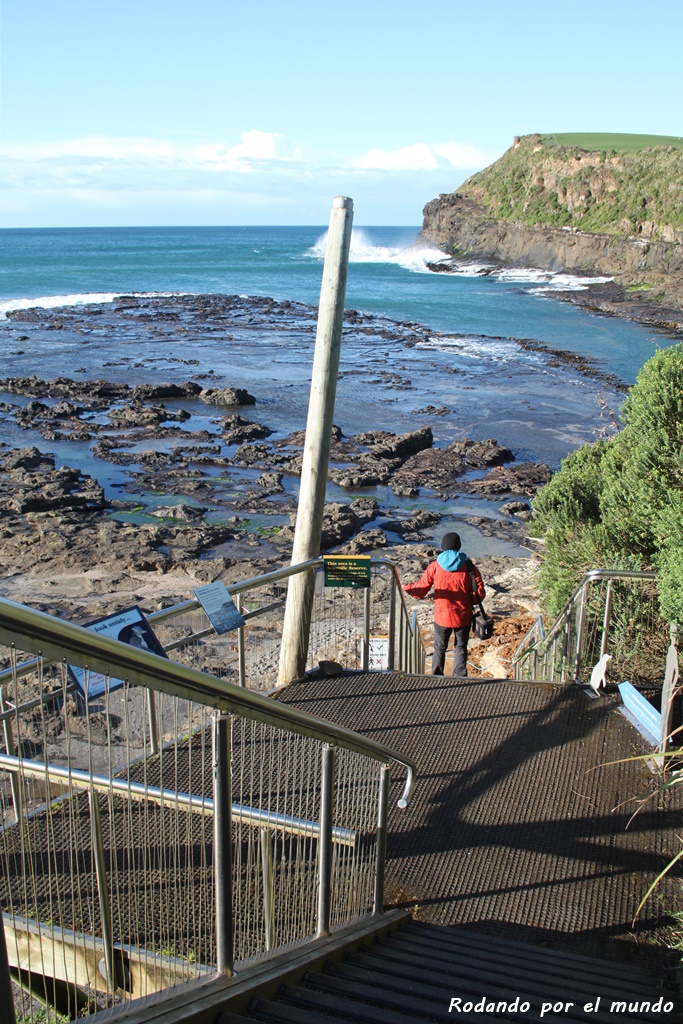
(500,350)
(77,299)
(547,280)
(363,250)
(569,283)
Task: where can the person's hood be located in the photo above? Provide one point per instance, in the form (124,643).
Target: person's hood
(452,561)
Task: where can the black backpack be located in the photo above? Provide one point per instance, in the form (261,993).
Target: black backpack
(482,623)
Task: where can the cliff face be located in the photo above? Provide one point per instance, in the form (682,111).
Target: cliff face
(566,210)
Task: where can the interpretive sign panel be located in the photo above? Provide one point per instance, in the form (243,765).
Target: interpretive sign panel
(347,570)
(130,627)
(219,607)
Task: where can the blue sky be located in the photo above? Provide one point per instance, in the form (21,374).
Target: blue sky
(214,112)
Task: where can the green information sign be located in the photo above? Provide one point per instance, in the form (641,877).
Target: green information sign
(347,570)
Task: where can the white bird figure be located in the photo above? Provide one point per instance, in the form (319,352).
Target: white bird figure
(599,672)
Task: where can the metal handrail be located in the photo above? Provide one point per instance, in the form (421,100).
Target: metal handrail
(192,604)
(198,804)
(60,640)
(235,589)
(536,638)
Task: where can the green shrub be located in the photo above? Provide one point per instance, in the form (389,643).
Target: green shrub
(619,503)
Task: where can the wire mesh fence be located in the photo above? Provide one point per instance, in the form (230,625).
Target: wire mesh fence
(109,848)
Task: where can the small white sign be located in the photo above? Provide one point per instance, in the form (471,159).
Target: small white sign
(378,653)
(219,607)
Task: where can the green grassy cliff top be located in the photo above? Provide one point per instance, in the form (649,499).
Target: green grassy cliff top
(596,141)
(617,184)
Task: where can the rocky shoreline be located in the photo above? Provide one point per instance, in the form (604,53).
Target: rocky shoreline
(607,298)
(67,549)
(144,473)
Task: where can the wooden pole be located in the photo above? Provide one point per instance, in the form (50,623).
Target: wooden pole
(309,519)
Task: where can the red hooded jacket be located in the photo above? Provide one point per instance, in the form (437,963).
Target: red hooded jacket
(453,598)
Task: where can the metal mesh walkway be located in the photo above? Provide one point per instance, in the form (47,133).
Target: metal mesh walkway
(512,829)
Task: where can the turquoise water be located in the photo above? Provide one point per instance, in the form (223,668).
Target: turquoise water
(387,276)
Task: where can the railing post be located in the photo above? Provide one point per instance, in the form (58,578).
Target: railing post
(268,886)
(382,811)
(366,629)
(400,640)
(6,997)
(579,634)
(606,618)
(153,726)
(241,653)
(325,841)
(391,661)
(10,748)
(222,831)
(103,890)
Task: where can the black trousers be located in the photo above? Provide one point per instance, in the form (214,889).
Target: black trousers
(442,635)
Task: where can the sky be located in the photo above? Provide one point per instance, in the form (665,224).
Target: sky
(183,112)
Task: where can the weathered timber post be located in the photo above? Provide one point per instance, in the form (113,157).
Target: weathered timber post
(309,518)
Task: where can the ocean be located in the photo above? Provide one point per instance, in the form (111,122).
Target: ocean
(387,276)
(482,357)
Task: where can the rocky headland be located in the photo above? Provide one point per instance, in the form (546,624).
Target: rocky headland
(586,212)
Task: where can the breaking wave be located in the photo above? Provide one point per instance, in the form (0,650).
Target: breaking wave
(77,299)
(363,250)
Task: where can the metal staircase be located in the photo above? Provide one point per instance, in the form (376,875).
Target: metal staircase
(417,973)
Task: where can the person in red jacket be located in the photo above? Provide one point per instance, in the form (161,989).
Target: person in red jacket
(453,601)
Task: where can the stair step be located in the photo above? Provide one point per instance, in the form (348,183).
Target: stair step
(284,1013)
(402,952)
(410,977)
(349,1006)
(379,993)
(460,939)
(402,993)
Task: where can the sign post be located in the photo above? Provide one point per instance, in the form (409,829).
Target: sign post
(309,519)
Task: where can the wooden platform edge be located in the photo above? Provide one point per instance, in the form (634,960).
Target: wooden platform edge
(200,1001)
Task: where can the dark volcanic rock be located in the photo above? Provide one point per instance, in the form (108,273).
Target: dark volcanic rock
(403,446)
(138,415)
(237,430)
(411,528)
(27,458)
(367,473)
(340,522)
(366,540)
(145,392)
(227,396)
(271,483)
(44,488)
(258,456)
(440,468)
(520,509)
(182,512)
(526,479)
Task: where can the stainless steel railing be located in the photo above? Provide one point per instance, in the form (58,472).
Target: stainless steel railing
(611,612)
(129,865)
(342,625)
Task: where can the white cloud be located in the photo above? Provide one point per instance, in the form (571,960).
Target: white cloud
(101,179)
(419,157)
(424,156)
(256,147)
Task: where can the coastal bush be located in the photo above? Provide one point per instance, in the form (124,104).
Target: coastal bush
(618,503)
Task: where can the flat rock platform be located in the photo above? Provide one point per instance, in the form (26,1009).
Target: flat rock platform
(512,830)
